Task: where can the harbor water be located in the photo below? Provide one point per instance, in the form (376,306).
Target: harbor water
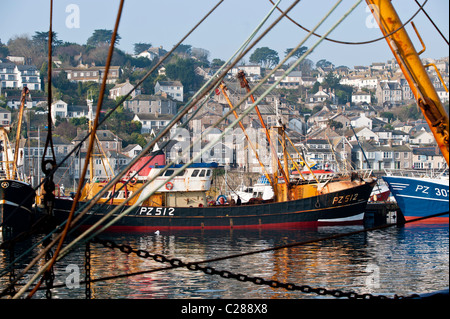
(393,261)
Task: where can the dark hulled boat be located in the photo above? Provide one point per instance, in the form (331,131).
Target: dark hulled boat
(16,195)
(182,204)
(16,204)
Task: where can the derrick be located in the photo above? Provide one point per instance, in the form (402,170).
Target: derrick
(413,70)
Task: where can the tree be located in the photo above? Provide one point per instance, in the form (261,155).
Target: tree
(184,71)
(265,56)
(184,49)
(4,51)
(323,64)
(217,63)
(201,54)
(40,38)
(335,124)
(141,47)
(24,46)
(331,81)
(102,37)
(389,115)
(298,53)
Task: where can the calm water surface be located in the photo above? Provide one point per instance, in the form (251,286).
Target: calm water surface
(402,261)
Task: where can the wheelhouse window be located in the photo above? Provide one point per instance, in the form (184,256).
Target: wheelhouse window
(195,173)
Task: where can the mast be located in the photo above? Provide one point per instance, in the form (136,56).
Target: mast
(223,88)
(91,158)
(284,195)
(413,70)
(25,92)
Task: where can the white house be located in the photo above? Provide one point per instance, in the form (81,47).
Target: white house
(423,137)
(59,108)
(362,120)
(8,75)
(322,95)
(443,94)
(172,88)
(249,70)
(122,89)
(363,133)
(292,81)
(361,97)
(132,150)
(152,121)
(5,117)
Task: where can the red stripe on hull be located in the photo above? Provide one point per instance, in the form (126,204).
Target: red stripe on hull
(296,225)
(433,220)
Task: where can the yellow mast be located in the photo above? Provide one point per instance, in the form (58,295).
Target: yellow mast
(413,70)
(223,88)
(25,92)
(280,196)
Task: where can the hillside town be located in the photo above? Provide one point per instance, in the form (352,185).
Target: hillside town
(338,118)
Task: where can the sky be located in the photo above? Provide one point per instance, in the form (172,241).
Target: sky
(164,23)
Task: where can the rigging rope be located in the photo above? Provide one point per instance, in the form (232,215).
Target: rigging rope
(78,147)
(361,42)
(210,144)
(432,22)
(194,101)
(91,142)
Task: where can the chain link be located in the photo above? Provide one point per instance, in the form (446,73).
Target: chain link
(177,263)
(87,268)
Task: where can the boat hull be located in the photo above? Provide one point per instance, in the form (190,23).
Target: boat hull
(420,197)
(344,207)
(16,205)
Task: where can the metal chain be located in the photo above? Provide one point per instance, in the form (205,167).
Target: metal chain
(12,275)
(176,263)
(49,275)
(87,268)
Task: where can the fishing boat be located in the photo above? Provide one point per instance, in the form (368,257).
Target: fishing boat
(182,203)
(17,196)
(380,193)
(261,190)
(423,196)
(419,197)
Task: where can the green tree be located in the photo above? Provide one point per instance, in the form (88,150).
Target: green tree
(217,63)
(331,81)
(298,53)
(389,115)
(323,63)
(184,71)
(141,47)
(184,50)
(40,38)
(265,56)
(4,51)
(102,37)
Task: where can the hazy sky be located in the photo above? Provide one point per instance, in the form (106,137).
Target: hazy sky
(164,23)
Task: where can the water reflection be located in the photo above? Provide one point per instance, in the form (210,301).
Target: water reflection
(392,261)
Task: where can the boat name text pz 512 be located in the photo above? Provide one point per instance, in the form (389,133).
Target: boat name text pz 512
(156,211)
(345,199)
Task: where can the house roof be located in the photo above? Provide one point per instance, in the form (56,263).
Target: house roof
(170,83)
(154,117)
(103,135)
